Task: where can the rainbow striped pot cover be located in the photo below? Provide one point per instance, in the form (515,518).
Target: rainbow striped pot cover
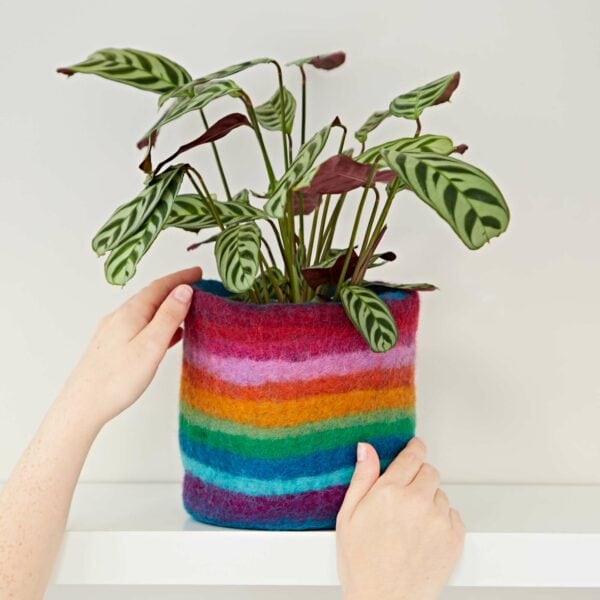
(274,399)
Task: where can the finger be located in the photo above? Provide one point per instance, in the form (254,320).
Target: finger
(157,335)
(427,479)
(440,499)
(366,473)
(456,520)
(176,337)
(407,464)
(139,310)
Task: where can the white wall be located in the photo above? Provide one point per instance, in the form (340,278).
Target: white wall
(507,374)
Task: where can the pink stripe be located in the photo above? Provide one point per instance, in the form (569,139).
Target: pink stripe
(245,371)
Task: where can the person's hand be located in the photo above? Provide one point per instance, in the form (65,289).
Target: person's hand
(398,538)
(127,348)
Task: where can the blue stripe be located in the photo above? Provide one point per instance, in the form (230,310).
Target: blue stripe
(260,487)
(317,463)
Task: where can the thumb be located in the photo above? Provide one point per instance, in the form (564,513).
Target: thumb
(365,475)
(158,334)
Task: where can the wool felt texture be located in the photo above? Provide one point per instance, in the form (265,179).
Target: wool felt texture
(274,399)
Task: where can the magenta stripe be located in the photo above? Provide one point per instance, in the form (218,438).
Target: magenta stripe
(217,505)
(245,371)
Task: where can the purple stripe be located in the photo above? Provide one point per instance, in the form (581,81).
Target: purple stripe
(245,371)
(216,505)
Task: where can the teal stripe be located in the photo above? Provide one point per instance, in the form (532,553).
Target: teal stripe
(259,487)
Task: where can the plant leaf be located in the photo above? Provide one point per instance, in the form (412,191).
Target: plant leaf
(463,195)
(264,279)
(413,103)
(269,113)
(143,70)
(188,88)
(309,202)
(242,197)
(408,287)
(378,260)
(215,132)
(275,206)
(237,251)
(370,316)
(371,123)
(322,61)
(340,174)
(328,271)
(121,264)
(438,144)
(192,212)
(130,217)
(206,94)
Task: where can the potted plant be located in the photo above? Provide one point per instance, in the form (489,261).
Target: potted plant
(297,353)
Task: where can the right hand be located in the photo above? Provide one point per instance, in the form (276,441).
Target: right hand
(397,536)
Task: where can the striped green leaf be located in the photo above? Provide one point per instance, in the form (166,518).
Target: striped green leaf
(269,113)
(275,206)
(464,196)
(130,217)
(370,316)
(438,144)
(193,212)
(143,70)
(189,87)
(242,196)
(413,103)
(376,119)
(121,264)
(237,251)
(203,96)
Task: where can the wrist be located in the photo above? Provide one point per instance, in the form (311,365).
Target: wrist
(80,411)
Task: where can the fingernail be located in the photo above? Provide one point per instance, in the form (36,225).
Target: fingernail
(361,452)
(183,293)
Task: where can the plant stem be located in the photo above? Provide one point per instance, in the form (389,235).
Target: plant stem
(383,216)
(204,191)
(303,130)
(293,273)
(269,251)
(313,232)
(355,230)
(266,294)
(282,114)
(322,228)
(418,131)
(359,271)
(301,220)
(274,283)
(330,229)
(343,140)
(261,142)
(217,158)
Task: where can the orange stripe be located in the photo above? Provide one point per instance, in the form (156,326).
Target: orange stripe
(295,412)
(374,379)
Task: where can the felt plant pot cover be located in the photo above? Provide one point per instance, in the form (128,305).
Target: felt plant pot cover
(274,399)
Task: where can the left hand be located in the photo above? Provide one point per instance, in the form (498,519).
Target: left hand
(129,344)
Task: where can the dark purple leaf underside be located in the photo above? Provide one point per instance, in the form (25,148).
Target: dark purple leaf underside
(215,132)
(310,201)
(317,276)
(340,174)
(328,61)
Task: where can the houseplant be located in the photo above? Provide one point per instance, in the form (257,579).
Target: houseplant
(296,355)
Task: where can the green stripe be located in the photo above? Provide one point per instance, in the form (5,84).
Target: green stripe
(281,442)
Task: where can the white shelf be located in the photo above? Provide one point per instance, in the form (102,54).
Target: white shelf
(139,534)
